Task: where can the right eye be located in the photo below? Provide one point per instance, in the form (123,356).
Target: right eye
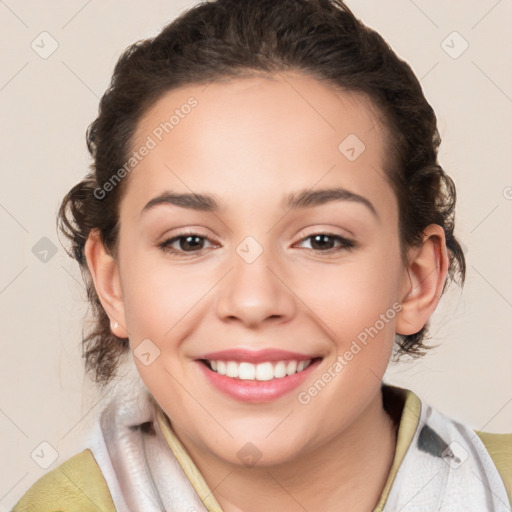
(188,242)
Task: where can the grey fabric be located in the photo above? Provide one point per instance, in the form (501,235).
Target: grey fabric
(446,467)
(140,469)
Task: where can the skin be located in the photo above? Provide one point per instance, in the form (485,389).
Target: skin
(251,142)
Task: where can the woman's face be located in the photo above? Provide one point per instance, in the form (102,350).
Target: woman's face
(270,274)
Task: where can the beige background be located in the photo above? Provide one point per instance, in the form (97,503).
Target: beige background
(46,106)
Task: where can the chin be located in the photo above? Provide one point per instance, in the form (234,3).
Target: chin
(258,450)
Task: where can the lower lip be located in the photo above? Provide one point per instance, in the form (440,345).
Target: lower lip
(255,390)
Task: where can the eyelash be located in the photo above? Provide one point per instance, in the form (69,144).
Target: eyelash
(346,244)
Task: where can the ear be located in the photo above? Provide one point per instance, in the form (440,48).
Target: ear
(424,278)
(105,275)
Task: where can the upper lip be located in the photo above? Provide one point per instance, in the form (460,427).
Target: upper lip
(255,356)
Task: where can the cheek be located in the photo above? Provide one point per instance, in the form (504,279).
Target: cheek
(163,301)
(351,295)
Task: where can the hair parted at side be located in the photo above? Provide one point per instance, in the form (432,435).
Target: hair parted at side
(220,39)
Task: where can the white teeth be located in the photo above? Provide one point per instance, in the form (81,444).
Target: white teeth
(280,370)
(221,367)
(246,371)
(261,372)
(264,371)
(291,368)
(231,369)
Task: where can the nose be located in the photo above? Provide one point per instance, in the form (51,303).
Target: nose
(255,290)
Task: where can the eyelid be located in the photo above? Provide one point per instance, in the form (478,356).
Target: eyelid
(319,228)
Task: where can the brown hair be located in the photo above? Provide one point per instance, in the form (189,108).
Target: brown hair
(239,38)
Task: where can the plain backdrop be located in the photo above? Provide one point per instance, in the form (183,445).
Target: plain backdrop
(461,50)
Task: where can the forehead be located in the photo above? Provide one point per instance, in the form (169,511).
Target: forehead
(251,137)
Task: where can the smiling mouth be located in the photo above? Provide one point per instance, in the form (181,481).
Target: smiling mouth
(264,371)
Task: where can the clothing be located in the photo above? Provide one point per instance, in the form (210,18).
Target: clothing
(134,462)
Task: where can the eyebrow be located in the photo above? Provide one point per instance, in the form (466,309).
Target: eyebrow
(297,200)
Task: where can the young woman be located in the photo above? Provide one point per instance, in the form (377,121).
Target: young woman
(264,222)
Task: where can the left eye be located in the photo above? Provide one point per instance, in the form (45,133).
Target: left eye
(325,241)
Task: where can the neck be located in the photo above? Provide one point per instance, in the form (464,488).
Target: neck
(352,480)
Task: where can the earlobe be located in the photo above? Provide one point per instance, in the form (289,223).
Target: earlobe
(423,282)
(105,275)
